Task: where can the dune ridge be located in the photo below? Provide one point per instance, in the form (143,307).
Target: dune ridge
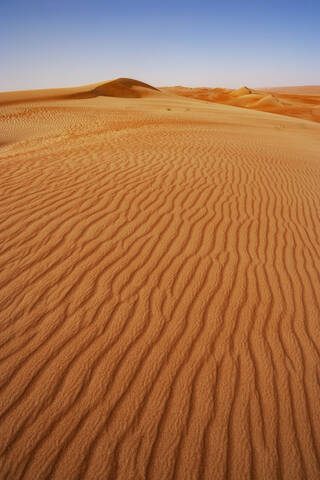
(308,90)
(300,102)
(120,88)
(159,291)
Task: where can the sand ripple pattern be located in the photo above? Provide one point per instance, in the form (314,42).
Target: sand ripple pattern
(159,299)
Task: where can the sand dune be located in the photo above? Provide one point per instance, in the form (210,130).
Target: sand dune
(125,88)
(121,87)
(300,102)
(159,288)
(307,90)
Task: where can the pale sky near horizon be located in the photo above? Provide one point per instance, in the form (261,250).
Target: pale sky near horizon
(55,43)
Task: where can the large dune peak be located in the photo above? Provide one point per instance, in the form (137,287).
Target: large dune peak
(125,88)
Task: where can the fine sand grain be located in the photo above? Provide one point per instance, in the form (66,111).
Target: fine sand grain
(159,288)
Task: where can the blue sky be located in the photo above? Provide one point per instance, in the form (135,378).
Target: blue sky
(54,43)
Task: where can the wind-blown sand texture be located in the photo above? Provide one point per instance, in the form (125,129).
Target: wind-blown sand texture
(300,102)
(159,288)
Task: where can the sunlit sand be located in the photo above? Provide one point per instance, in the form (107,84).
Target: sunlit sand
(159,283)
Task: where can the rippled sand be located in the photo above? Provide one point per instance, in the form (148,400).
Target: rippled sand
(159,289)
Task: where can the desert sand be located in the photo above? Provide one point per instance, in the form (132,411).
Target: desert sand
(300,102)
(313,90)
(159,287)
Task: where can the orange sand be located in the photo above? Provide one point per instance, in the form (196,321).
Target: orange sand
(159,288)
(313,90)
(300,102)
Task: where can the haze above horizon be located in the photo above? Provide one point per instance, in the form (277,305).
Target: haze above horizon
(49,44)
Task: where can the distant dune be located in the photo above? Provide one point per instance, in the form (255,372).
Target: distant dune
(308,90)
(125,88)
(159,284)
(300,102)
(121,87)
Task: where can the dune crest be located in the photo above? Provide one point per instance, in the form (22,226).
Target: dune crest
(118,88)
(241,91)
(125,88)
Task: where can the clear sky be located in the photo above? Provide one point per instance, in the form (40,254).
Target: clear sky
(55,43)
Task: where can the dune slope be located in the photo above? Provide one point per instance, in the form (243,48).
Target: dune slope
(159,291)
